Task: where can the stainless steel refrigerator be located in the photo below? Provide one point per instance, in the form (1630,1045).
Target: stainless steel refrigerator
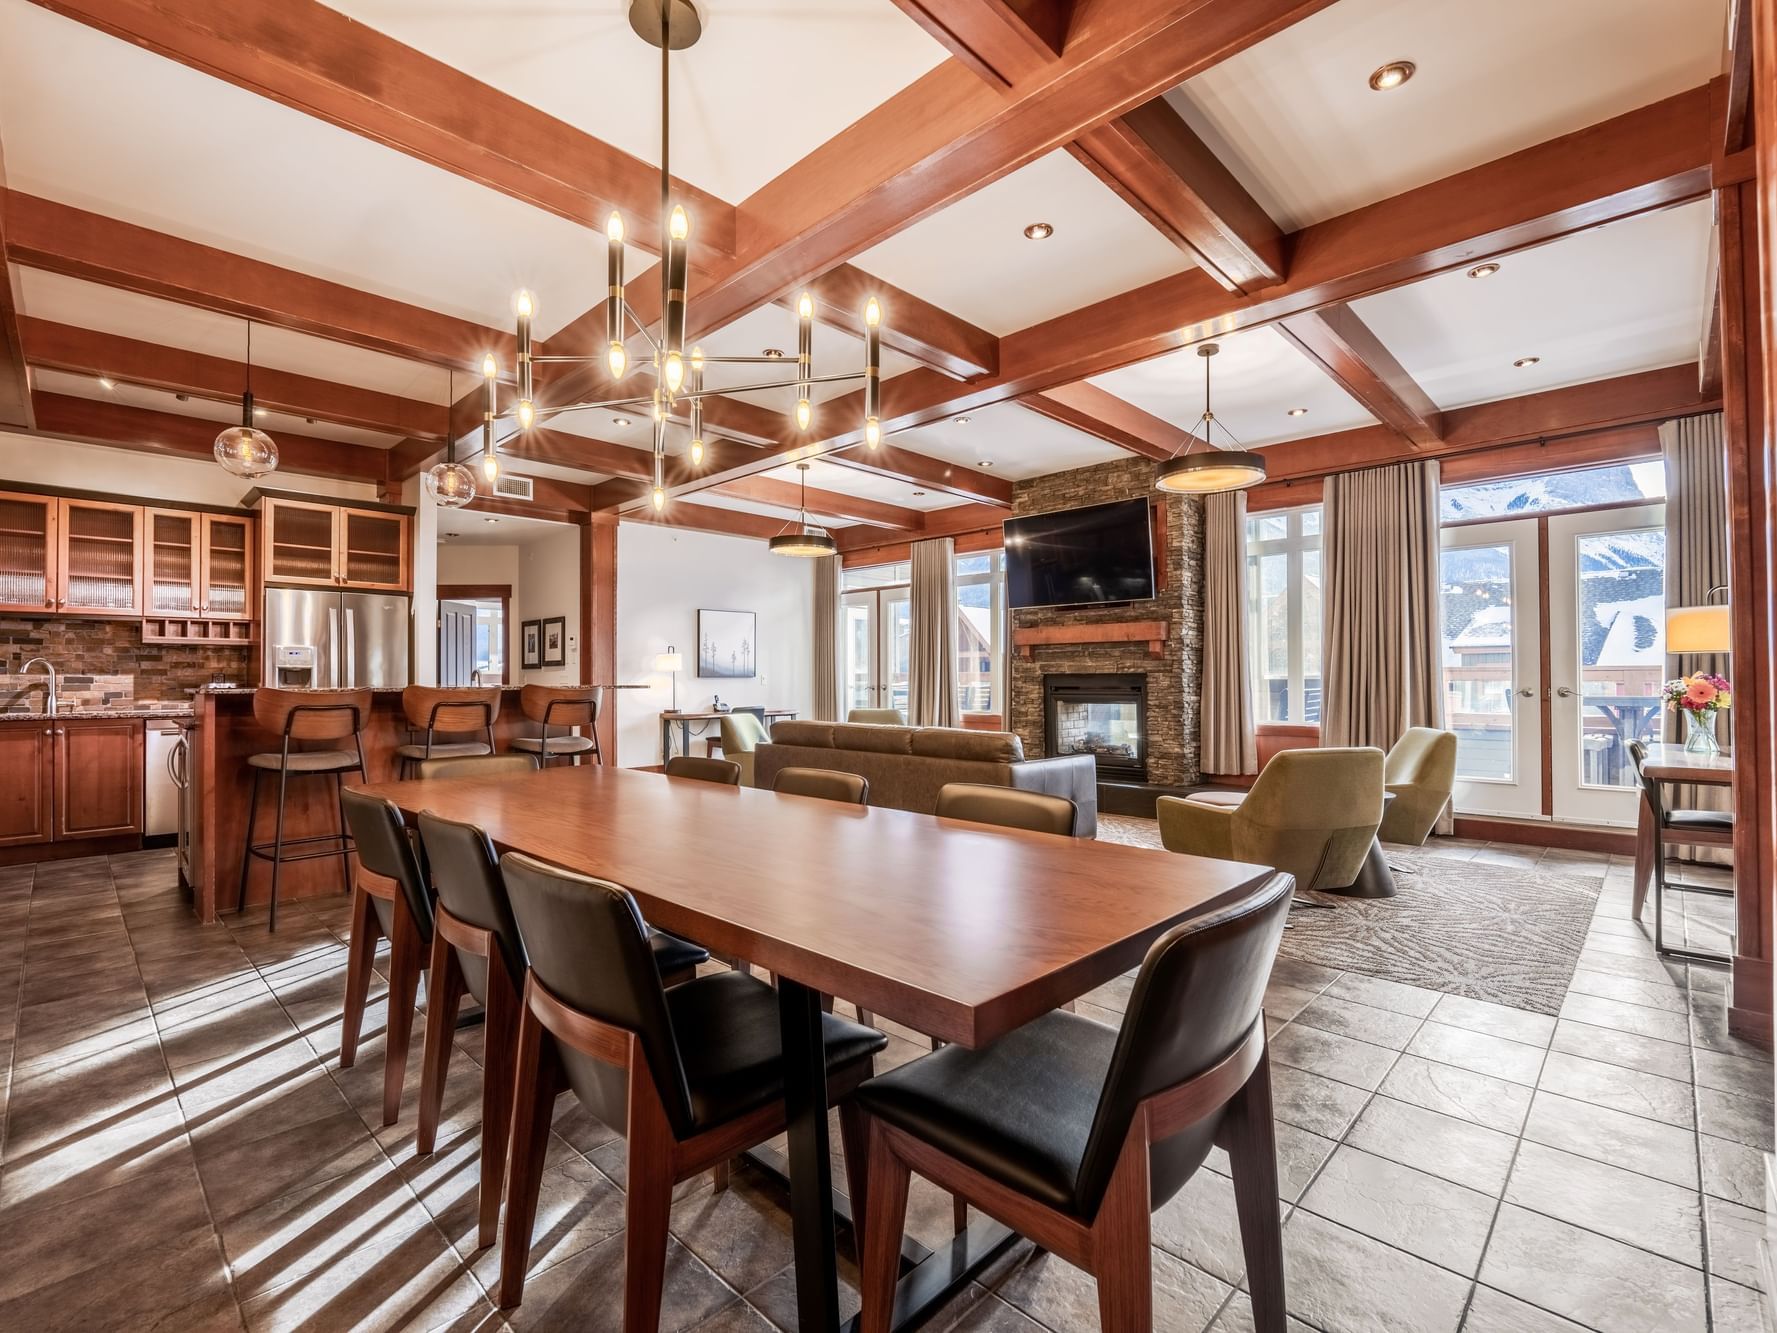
(322,639)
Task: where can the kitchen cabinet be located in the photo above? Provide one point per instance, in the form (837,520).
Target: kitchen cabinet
(70,778)
(226,590)
(175,561)
(332,546)
(100,558)
(28,552)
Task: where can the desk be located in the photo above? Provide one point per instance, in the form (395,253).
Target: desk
(683,720)
(1671,763)
(884,907)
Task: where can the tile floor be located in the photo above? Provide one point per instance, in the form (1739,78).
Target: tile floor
(180,1150)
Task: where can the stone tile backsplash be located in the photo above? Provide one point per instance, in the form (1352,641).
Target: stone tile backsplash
(105,663)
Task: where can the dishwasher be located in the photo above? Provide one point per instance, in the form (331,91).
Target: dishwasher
(161,782)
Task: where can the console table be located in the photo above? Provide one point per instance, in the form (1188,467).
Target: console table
(671,717)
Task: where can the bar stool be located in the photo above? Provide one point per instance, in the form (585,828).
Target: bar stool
(303,715)
(453,712)
(564,706)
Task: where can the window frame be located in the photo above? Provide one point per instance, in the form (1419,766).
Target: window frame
(1293,546)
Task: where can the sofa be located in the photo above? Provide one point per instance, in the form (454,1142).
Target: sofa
(906,766)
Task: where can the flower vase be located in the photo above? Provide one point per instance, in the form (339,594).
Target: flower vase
(1699,728)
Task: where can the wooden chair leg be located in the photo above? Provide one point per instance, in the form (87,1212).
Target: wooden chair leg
(360,961)
(406,961)
(647,1198)
(445,989)
(1122,1257)
(719,1176)
(1250,1138)
(886,1203)
(537,1081)
(498,1063)
(854,1133)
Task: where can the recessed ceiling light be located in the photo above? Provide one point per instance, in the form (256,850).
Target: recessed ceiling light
(107,383)
(310,420)
(259,411)
(1486,270)
(1298,412)
(774,353)
(1392,75)
(1526,362)
(182,397)
(1038,231)
(490,520)
(620,421)
(985,462)
(919,493)
(962,421)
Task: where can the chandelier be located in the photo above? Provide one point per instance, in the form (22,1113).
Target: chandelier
(451,483)
(245,450)
(1205,468)
(677,375)
(807,540)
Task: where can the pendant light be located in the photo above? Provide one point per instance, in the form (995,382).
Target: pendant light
(1203,469)
(245,450)
(805,541)
(451,484)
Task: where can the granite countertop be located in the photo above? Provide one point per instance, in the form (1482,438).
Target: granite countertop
(305,689)
(174,712)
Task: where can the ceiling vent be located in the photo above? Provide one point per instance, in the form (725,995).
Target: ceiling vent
(509,487)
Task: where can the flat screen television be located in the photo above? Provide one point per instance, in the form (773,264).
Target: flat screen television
(1078,557)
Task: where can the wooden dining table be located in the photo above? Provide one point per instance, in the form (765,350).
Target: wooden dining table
(958,930)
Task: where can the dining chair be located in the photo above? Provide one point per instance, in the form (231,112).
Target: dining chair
(1683,828)
(476,766)
(1008,807)
(1072,1133)
(391,900)
(563,708)
(691,1075)
(468,710)
(476,951)
(826,784)
(723,772)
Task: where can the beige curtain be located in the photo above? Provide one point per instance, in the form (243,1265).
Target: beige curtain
(1382,610)
(1226,722)
(826,638)
(1696,561)
(931,670)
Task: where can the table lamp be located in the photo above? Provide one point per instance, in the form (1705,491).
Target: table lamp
(671,660)
(1699,629)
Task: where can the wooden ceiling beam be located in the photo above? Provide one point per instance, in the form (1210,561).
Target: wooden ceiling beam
(1342,345)
(1088,408)
(53,346)
(60,238)
(916,329)
(938,523)
(15,377)
(1003,41)
(318,61)
(1737,117)
(825,503)
(165,433)
(708,518)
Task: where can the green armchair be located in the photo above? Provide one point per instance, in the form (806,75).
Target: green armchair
(741,732)
(882,717)
(1421,772)
(1312,813)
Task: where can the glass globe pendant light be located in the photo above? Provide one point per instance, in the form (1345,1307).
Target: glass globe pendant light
(245,450)
(1203,469)
(451,484)
(806,541)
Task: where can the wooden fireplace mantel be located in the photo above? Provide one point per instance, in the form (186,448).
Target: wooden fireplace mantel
(1151,632)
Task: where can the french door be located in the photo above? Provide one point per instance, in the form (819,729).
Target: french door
(1493,666)
(875,634)
(1554,650)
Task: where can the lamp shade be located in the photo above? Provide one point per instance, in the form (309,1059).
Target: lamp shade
(669,662)
(1698,629)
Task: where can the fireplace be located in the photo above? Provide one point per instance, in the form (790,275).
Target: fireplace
(1103,716)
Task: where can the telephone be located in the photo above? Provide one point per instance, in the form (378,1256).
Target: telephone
(717,706)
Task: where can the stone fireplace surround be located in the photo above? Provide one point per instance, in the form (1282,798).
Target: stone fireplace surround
(1172,677)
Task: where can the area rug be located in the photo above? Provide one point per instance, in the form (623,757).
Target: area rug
(1484,931)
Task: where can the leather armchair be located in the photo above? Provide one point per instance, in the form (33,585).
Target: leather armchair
(1421,772)
(1311,813)
(741,732)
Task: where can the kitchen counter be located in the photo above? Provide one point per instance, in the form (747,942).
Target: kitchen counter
(173,712)
(374,689)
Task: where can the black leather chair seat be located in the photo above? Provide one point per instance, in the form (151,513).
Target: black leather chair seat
(672,954)
(1718,820)
(727,1030)
(1019,1111)
(307,761)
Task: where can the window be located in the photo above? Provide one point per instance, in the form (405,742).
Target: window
(876,616)
(1283,614)
(980,632)
(1621,483)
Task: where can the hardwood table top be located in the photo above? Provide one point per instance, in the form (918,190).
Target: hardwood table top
(956,930)
(1671,762)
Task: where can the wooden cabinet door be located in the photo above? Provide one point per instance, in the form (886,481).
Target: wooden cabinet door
(299,542)
(373,549)
(27,786)
(98,777)
(100,563)
(228,590)
(173,561)
(28,552)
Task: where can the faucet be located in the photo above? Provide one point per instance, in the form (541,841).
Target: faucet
(50,692)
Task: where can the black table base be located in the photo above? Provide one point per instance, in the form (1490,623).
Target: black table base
(1374,880)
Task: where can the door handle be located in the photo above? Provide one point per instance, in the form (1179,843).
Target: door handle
(351,656)
(1527,693)
(1565,692)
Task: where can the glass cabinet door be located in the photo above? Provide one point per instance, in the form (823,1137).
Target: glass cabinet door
(299,542)
(227,568)
(173,546)
(101,558)
(27,553)
(373,549)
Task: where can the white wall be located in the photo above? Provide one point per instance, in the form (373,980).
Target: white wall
(33,461)
(549,585)
(664,575)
